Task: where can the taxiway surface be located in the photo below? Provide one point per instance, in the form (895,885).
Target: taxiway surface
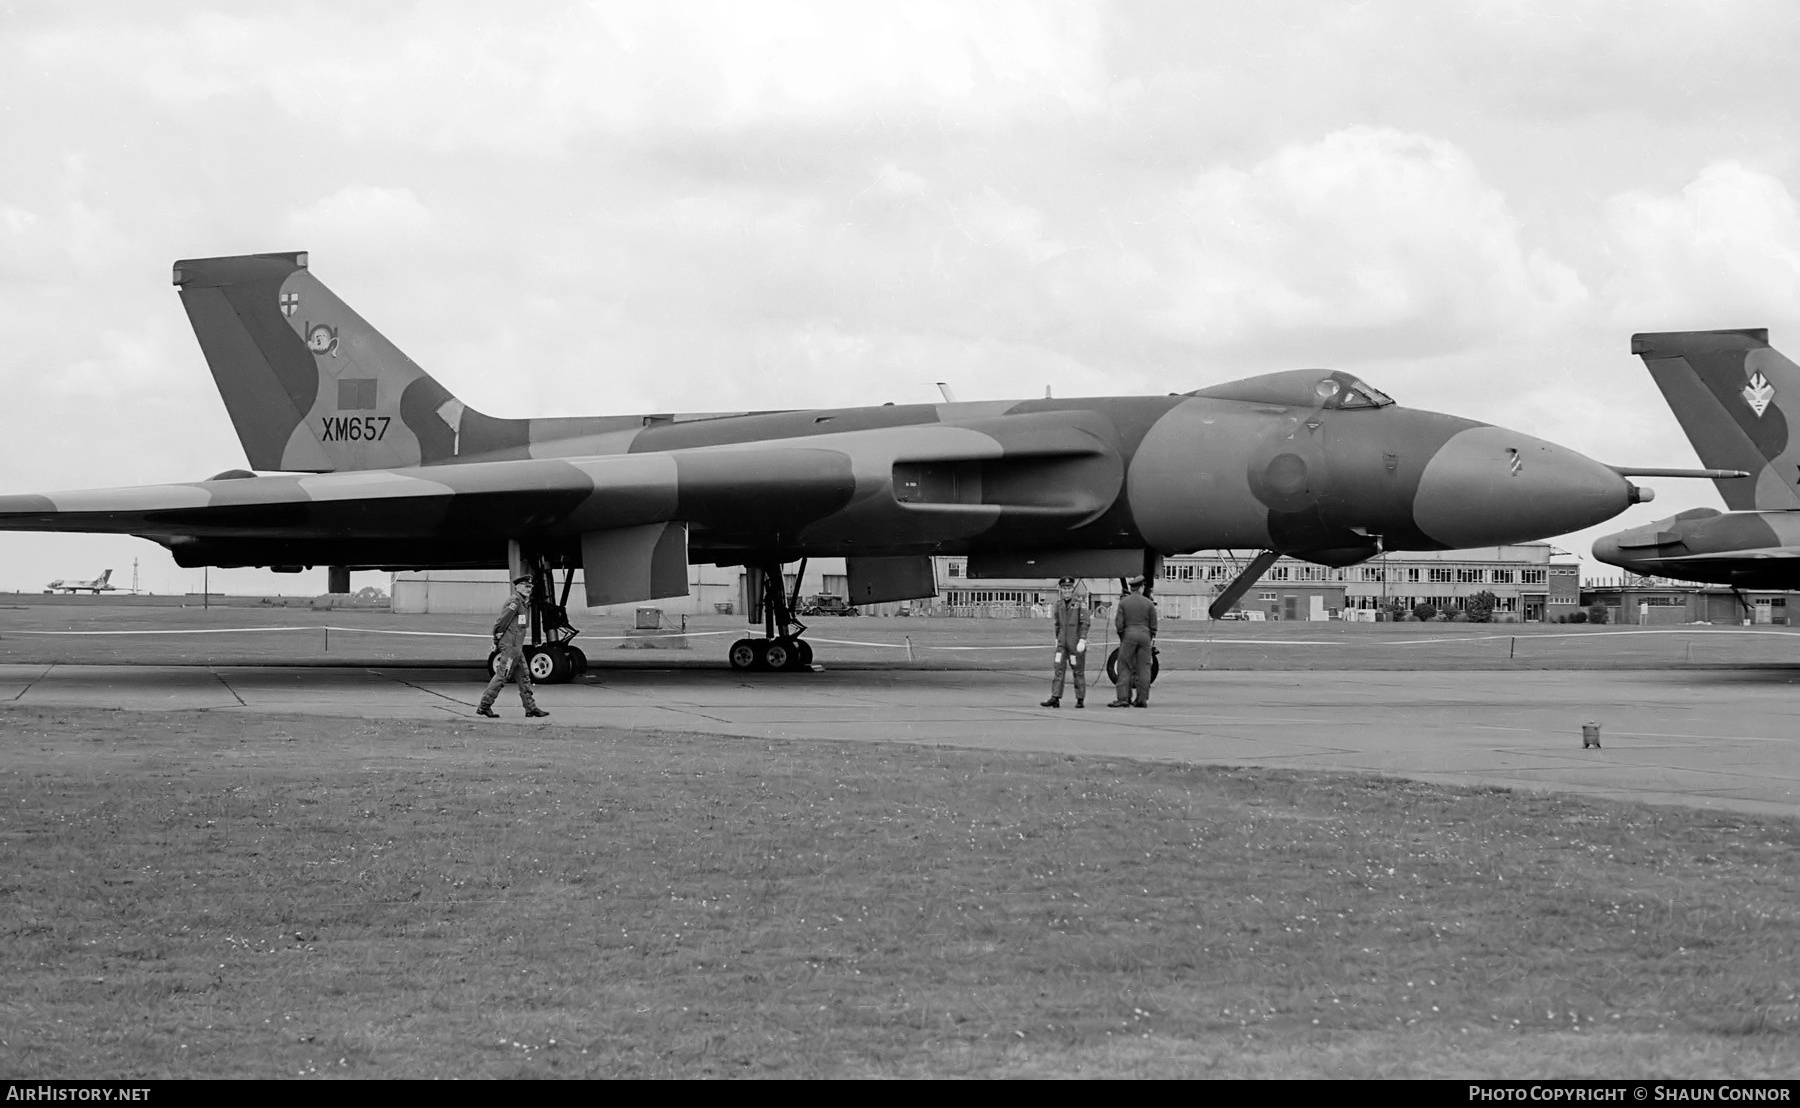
(1710,738)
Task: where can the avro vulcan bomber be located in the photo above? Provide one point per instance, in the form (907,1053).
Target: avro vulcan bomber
(1731,392)
(380,467)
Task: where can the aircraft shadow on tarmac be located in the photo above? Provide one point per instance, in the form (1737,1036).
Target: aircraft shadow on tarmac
(1758,673)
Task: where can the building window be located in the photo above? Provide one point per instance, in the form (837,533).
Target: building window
(1503,577)
(1440,575)
(1531,576)
(1467,576)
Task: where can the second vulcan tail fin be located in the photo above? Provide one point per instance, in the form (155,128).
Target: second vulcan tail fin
(1732,391)
(310,386)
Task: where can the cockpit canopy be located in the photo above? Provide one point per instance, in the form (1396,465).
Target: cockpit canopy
(1301,388)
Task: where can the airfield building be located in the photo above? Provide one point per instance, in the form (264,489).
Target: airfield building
(712,590)
(1653,601)
(1530,583)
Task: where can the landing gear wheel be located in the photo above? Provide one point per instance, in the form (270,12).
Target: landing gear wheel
(787,654)
(1112,665)
(578,663)
(493,665)
(549,664)
(745,655)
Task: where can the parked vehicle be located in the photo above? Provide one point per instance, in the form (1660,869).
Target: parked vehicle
(825,604)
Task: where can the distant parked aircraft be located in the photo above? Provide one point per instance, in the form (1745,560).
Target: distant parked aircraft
(97,586)
(1737,398)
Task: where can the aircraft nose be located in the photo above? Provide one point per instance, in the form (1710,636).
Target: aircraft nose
(1606,549)
(1642,541)
(1487,486)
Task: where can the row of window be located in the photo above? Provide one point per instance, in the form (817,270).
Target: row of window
(1375,602)
(1413,575)
(1405,575)
(994,596)
(1442,603)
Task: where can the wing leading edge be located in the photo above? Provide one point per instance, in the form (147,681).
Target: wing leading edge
(880,491)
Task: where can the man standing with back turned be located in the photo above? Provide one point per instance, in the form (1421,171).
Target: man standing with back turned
(509,641)
(1136,624)
(1071,616)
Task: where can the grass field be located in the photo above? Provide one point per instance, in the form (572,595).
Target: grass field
(182,897)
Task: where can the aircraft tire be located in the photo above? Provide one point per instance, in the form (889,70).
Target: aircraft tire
(493,662)
(745,655)
(578,663)
(781,655)
(562,667)
(1112,665)
(798,654)
(549,664)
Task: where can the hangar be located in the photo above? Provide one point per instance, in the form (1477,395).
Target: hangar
(1656,601)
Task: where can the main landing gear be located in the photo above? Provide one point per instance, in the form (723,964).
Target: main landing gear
(551,656)
(1112,665)
(1152,567)
(781,647)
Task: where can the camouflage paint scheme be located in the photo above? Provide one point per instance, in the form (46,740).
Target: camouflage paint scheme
(395,473)
(1730,391)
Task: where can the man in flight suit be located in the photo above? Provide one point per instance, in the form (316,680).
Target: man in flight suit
(1071,616)
(1136,624)
(509,640)
(1071,644)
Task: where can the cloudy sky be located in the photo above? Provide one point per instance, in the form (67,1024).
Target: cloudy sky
(564,209)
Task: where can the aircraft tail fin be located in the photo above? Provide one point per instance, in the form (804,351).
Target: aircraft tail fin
(105,578)
(1732,393)
(310,386)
